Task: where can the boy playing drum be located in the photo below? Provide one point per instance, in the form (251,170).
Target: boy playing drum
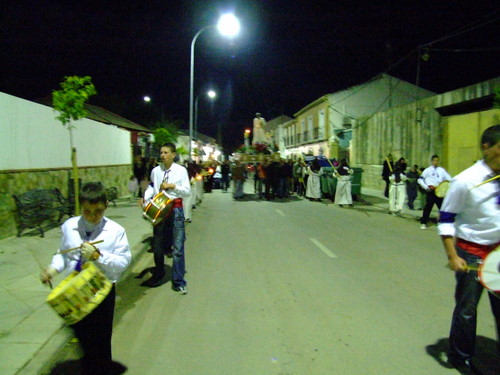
(112,258)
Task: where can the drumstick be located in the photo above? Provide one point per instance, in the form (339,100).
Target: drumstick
(389,164)
(472,268)
(485,182)
(78,247)
(42,268)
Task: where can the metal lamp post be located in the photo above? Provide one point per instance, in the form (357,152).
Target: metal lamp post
(229,26)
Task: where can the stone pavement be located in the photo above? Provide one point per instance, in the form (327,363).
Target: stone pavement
(30,331)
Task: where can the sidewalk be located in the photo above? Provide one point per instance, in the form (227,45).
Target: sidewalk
(30,331)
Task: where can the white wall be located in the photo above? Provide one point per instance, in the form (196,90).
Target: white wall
(32,138)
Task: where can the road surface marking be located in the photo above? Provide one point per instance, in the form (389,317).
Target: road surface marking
(323,248)
(280,212)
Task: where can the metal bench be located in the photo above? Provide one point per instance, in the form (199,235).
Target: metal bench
(40,206)
(112,194)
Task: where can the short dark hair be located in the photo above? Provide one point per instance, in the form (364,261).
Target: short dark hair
(170,145)
(491,136)
(434,156)
(93,192)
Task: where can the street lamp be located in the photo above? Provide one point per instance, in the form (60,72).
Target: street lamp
(211,94)
(229,26)
(246,135)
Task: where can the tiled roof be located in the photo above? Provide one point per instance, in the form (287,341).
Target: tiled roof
(103,115)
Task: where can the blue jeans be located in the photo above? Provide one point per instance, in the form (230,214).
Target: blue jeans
(468,292)
(238,189)
(169,236)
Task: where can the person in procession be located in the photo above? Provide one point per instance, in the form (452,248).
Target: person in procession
(429,180)
(343,194)
(169,235)
(397,190)
(112,256)
(387,169)
(469,227)
(314,171)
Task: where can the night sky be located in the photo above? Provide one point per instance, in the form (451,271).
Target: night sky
(288,53)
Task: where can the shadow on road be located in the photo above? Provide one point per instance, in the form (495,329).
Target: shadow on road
(73,367)
(486,359)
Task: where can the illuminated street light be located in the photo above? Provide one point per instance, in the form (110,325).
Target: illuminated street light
(228,26)
(211,94)
(246,135)
(146,99)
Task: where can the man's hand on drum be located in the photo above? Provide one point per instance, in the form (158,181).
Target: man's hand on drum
(47,274)
(457,264)
(167,186)
(89,251)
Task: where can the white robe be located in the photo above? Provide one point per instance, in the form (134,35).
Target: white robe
(397,193)
(259,134)
(313,184)
(343,193)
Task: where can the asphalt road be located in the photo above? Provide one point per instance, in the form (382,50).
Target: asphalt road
(300,288)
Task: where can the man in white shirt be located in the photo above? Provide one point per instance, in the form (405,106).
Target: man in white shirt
(169,235)
(429,180)
(469,226)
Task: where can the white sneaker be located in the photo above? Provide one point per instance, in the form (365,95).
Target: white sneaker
(423,226)
(182,290)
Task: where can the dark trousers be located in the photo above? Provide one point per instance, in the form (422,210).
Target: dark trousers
(386,190)
(468,292)
(94,333)
(412,195)
(430,200)
(225,182)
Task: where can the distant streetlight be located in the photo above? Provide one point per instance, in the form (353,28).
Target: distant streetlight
(146,99)
(211,94)
(246,135)
(228,26)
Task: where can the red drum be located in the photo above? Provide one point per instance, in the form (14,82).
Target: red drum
(159,208)
(489,272)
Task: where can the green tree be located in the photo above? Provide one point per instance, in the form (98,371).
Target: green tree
(70,101)
(166,131)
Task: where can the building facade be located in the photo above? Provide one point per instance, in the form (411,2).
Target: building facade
(324,127)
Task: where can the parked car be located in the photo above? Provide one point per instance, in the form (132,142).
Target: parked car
(217,181)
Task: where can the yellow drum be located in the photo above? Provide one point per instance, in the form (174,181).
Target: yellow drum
(79,293)
(442,189)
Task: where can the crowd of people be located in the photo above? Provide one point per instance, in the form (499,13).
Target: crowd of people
(402,186)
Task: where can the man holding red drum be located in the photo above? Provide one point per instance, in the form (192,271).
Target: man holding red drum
(469,227)
(169,235)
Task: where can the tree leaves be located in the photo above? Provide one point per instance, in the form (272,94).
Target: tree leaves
(70,100)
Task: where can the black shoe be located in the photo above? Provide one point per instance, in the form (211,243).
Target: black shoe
(464,366)
(154,282)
